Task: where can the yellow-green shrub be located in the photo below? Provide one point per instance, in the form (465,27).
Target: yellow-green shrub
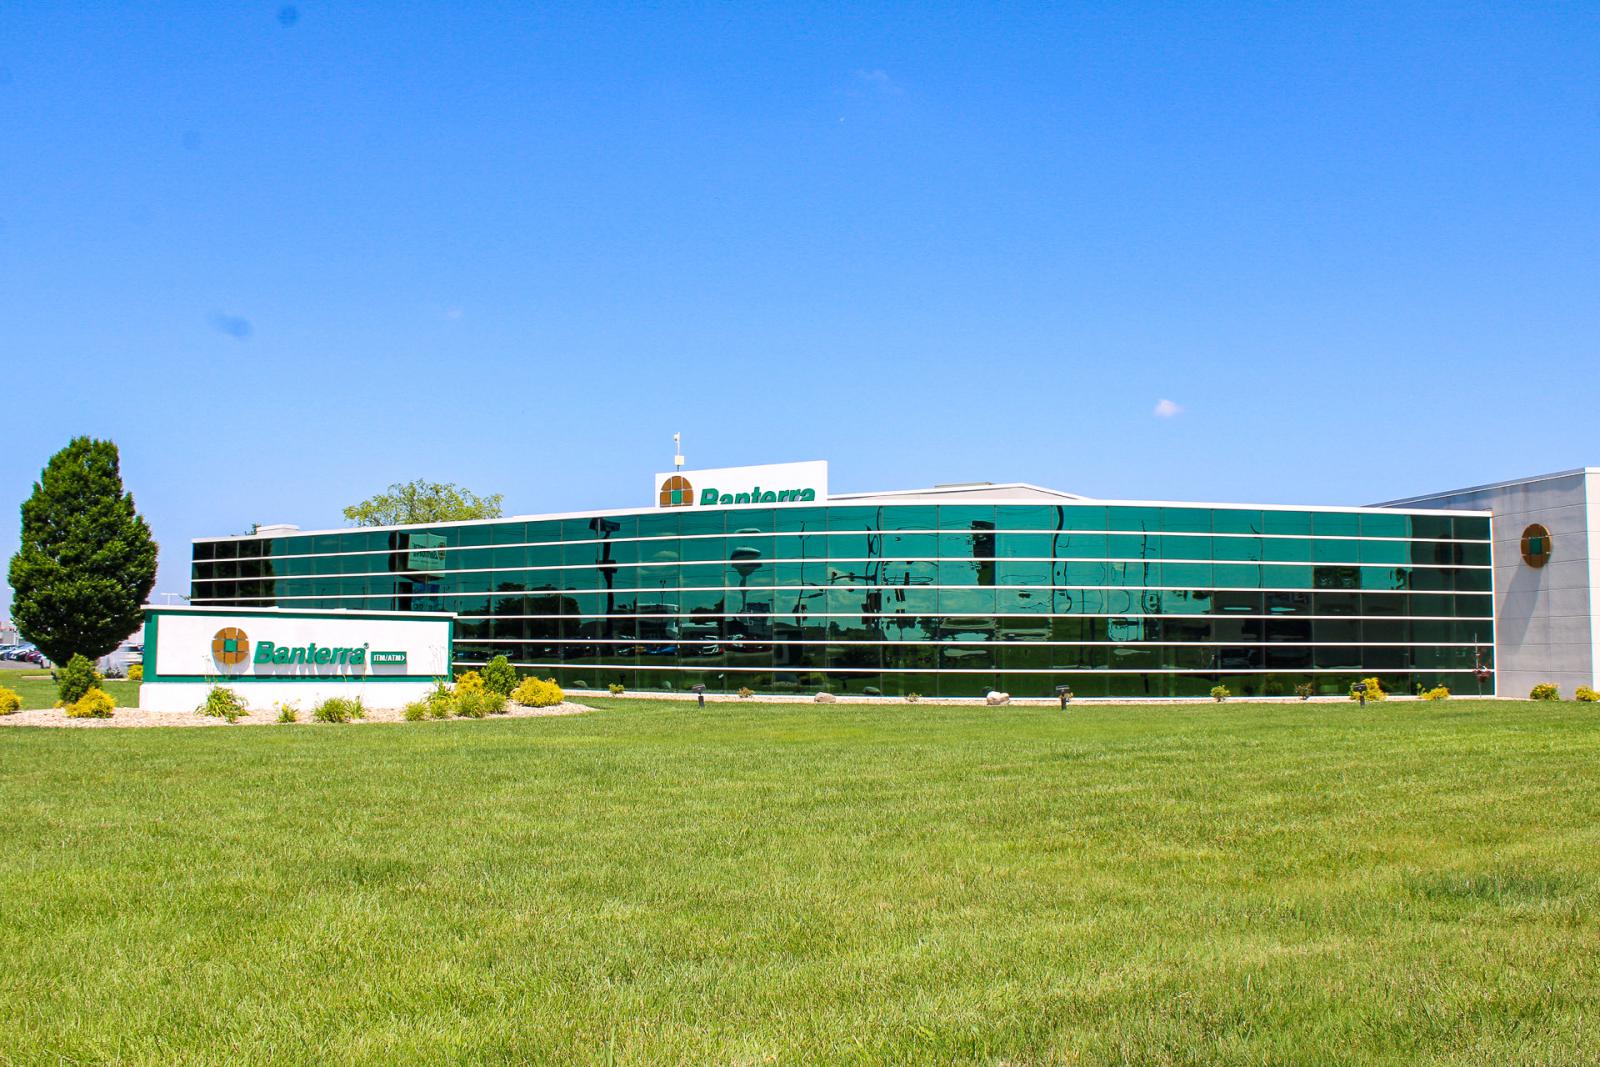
(469,682)
(94,704)
(440,702)
(537,693)
(9,701)
(1585,694)
(1438,692)
(223,703)
(1374,690)
(1544,691)
(136,673)
(1219,693)
(477,702)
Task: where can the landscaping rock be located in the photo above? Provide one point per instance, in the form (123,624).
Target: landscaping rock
(825,698)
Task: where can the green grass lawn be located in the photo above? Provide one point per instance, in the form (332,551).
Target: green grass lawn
(38,691)
(1197,884)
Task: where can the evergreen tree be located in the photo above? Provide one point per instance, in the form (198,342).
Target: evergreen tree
(87,560)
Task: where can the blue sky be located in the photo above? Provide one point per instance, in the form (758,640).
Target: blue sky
(285,255)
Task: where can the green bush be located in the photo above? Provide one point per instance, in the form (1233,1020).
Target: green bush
(222,703)
(9,701)
(499,676)
(615,689)
(288,712)
(416,711)
(534,693)
(1219,693)
(94,704)
(339,709)
(1305,690)
(1544,691)
(76,679)
(1585,694)
(136,673)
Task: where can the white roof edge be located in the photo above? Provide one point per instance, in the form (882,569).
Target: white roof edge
(960,490)
(1491,485)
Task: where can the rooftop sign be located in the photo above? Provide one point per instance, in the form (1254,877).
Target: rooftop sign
(778,483)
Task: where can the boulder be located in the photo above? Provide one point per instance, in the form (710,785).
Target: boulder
(994,700)
(826,698)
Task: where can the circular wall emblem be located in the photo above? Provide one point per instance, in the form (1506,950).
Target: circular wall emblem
(676,492)
(230,647)
(1536,546)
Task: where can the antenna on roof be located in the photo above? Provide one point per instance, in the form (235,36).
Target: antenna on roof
(677,451)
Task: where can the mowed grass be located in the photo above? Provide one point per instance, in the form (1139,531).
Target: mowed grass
(38,690)
(1196,884)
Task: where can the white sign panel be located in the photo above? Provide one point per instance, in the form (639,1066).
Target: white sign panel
(265,646)
(776,483)
(291,657)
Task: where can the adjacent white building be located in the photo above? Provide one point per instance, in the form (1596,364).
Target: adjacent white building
(1546,575)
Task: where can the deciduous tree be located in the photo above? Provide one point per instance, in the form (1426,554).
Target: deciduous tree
(420,501)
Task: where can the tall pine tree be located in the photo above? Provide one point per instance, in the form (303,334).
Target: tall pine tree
(87,560)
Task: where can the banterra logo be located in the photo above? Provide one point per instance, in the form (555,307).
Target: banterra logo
(676,492)
(230,646)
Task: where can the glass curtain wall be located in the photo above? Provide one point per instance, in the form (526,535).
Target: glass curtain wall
(941,600)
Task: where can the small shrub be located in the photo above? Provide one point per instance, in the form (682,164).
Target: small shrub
(476,703)
(1219,693)
(1544,691)
(1305,690)
(222,703)
(912,698)
(288,712)
(533,693)
(416,711)
(499,676)
(440,702)
(1374,690)
(94,704)
(136,673)
(467,681)
(9,701)
(1583,693)
(615,689)
(1438,692)
(339,709)
(745,692)
(76,679)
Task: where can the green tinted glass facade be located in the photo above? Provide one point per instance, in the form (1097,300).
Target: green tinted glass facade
(942,600)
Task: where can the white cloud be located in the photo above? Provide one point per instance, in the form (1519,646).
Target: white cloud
(878,81)
(1166,409)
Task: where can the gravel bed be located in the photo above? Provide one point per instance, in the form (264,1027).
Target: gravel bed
(134,717)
